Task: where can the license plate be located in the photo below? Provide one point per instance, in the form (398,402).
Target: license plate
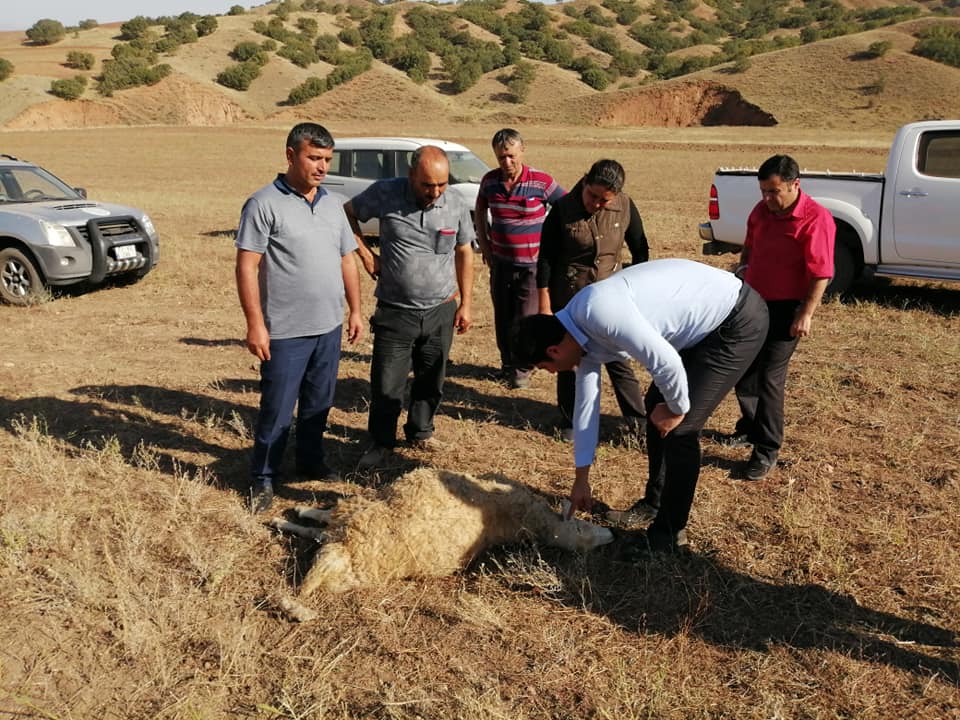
(125,252)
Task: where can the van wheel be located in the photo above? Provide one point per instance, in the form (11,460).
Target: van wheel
(20,281)
(845,270)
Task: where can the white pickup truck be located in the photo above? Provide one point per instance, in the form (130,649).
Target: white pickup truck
(902,223)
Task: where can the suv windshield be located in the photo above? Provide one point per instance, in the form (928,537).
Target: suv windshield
(32,184)
(465,167)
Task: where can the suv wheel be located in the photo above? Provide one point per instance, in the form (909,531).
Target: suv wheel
(20,281)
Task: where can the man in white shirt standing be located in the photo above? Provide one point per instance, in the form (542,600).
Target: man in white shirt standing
(696,330)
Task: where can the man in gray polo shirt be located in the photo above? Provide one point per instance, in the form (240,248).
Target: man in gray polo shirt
(426,258)
(295,263)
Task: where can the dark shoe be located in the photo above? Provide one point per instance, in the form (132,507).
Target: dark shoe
(658,543)
(318,472)
(429,444)
(639,515)
(374,457)
(261,496)
(734,440)
(758,468)
(566,434)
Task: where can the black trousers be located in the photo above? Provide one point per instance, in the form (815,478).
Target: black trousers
(513,292)
(713,367)
(760,392)
(626,388)
(403,338)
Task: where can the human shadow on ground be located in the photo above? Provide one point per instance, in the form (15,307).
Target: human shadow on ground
(692,593)
(174,426)
(936,299)
(207,342)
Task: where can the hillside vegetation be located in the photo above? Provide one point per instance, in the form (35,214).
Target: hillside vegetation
(668,63)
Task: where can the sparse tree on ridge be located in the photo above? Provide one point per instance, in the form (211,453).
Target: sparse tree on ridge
(46,32)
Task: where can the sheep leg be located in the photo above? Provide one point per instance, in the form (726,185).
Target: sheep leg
(285,526)
(321,517)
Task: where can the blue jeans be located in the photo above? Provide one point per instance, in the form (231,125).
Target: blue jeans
(303,370)
(713,366)
(403,337)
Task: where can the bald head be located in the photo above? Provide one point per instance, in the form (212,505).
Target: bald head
(429,174)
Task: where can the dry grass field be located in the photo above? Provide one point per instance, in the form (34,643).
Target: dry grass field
(133,582)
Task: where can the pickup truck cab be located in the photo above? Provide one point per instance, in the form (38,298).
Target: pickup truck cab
(51,234)
(904,222)
(358,162)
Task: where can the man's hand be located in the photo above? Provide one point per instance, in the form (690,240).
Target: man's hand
(800,327)
(664,419)
(463,319)
(354,328)
(258,341)
(580,496)
(371,263)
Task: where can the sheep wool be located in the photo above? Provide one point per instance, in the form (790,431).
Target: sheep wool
(431,523)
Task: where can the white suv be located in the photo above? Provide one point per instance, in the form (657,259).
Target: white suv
(357,162)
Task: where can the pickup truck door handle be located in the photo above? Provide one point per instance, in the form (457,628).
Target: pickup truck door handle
(913,193)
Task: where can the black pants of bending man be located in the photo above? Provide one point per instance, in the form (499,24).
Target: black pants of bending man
(713,367)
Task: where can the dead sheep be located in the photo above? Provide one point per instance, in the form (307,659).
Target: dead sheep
(431,523)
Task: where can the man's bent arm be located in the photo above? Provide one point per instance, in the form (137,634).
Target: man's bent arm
(370,261)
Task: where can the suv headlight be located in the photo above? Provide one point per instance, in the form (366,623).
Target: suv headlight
(57,235)
(148,225)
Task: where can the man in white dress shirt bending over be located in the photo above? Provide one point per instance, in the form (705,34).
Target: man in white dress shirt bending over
(695,328)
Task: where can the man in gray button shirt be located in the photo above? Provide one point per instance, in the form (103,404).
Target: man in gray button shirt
(426,257)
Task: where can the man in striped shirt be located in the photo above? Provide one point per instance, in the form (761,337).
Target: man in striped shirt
(516,196)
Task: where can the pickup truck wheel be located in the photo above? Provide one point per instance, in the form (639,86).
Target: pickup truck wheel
(844,270)
(20,281)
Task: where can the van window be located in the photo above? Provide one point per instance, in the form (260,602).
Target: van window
(336,163)
(368,164)
(939,154)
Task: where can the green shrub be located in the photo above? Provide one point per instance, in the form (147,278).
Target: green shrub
(308,27)
(207,25)
(350,36)
(135,28)
(244,51)
(79,60)
(6,69)
(878,49)
(299,52)
(327,47)
(268,45)
(605,42)
(69,88)
(594,15)
(520,81)
(132,65)
(239,76)
(595,77)
(307,90)
(88,24)
(740,65)
(46,32)
(236,10)
(940,43)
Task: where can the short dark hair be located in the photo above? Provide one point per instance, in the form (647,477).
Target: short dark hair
(532,335)
(317,135)
(783,165)
(506,136)
(606,173)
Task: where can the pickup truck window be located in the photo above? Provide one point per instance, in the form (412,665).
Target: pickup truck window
(939,154)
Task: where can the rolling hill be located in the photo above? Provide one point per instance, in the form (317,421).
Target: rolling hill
(824,83)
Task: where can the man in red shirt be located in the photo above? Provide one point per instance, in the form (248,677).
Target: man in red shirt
(788,259)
